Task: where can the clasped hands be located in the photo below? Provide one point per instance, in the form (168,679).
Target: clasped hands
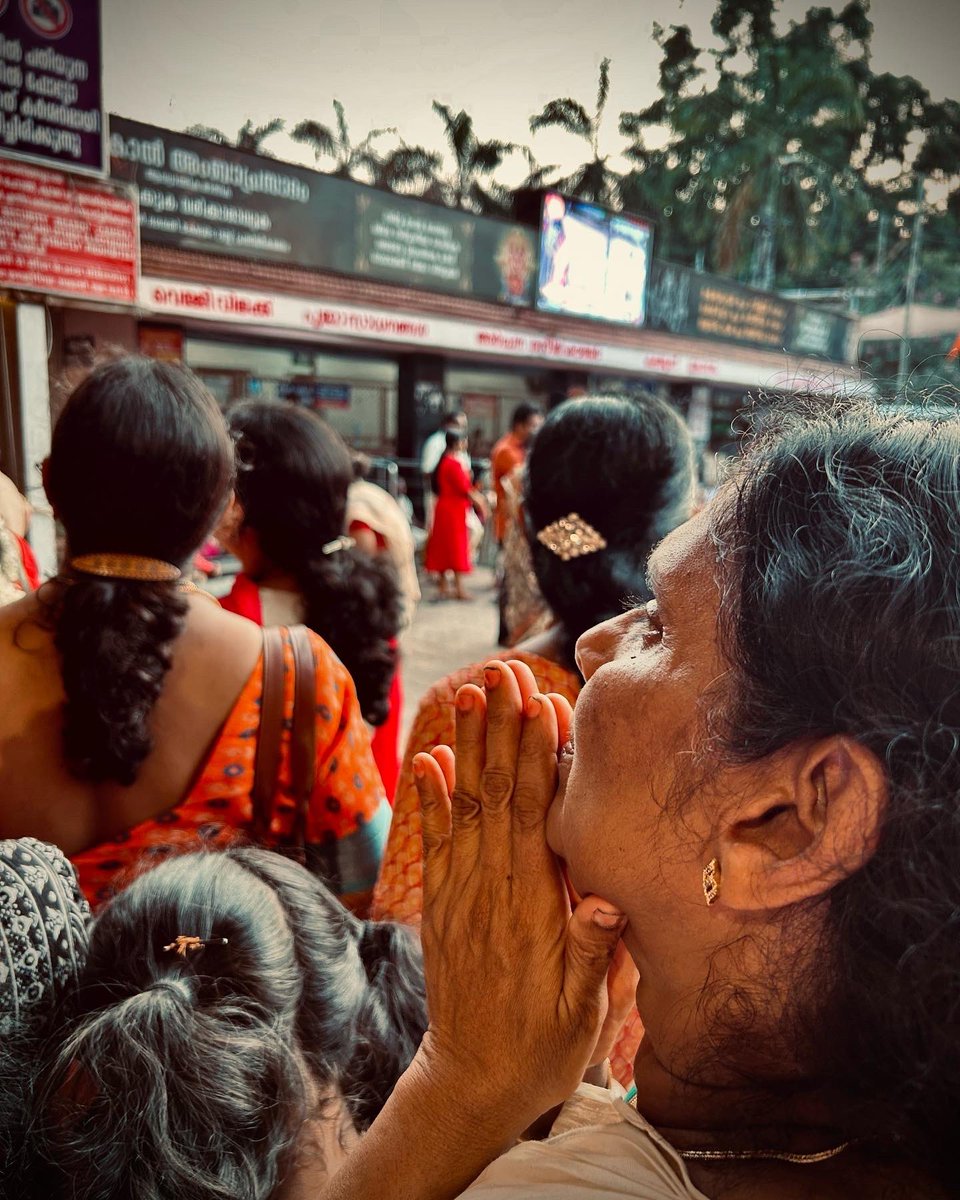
(516,970)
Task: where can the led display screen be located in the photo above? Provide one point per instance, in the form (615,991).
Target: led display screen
(593,263)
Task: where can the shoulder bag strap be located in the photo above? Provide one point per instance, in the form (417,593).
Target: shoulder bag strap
(303,742)
(267,766)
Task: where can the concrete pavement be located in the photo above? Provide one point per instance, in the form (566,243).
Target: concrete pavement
(447,634)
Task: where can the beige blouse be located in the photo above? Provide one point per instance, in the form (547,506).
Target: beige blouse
(601,1147)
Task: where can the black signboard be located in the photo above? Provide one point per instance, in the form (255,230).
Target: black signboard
(195,195)
(709,306)
(51,109)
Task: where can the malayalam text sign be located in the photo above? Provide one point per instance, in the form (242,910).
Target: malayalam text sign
(51,106)
(65,236)
(195,195)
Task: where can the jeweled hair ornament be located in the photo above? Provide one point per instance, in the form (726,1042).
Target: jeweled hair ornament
(125,566)
(571,537)
(341,543)
(183,944)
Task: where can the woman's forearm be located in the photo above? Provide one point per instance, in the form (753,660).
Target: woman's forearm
(429,1143)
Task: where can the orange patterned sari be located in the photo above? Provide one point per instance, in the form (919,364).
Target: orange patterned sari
(349,815)
(398,895)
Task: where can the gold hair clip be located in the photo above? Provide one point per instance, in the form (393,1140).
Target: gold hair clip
(125,566)
(182,944)
(571,537)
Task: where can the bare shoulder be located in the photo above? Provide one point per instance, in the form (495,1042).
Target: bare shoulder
(215,645)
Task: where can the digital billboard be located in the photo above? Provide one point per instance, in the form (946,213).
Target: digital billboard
(593,263)
(684,301)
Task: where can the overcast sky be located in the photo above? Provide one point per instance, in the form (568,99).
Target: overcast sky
(217,62)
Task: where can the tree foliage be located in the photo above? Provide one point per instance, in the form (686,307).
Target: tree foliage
(594,179)
(250,137)
(775,154)
(778,152)
(470,183)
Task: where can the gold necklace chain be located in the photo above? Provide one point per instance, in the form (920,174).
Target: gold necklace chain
(787,1156)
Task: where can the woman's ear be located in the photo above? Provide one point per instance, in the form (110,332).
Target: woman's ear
(815,821)
(228,528)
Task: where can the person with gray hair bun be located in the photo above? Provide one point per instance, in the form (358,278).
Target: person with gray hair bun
(235,1022)
(43,945)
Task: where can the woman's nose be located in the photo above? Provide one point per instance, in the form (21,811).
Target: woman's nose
(599,644)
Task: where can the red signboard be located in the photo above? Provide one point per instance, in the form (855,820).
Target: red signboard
(67,237)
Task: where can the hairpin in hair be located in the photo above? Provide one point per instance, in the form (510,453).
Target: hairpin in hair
(341,543)
(571,537)
(182,944)
(126,566)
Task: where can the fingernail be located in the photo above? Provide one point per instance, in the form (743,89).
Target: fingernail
(464,701)
(606,919)
(491,677)
(418,768)
(534,707)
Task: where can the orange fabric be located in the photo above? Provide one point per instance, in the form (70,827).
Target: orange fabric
(348,816)
(244,600)
(505,457)
(398,895)
(30,568)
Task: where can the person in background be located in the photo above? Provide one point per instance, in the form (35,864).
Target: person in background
(43,946)
(14,507)
(448,547)
(234,1021)
(624,467)
(379,525)
(435,445)
(507,454)
(142,697)
(286,525)
(432,451)
(19,573)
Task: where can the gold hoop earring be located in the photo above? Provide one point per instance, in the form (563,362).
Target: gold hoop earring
(711,881)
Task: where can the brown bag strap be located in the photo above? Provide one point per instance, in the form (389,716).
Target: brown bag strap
(303,743)
(303,737)
(267,766)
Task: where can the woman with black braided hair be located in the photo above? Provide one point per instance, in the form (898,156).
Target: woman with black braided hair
(288,528)
(131,721)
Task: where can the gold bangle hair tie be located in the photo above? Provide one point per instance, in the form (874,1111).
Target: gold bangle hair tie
(125,566)
(182,944)
(571,537)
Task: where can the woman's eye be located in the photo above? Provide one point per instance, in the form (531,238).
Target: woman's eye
(654,630)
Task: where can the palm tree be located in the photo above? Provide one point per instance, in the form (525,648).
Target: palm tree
(209,134)
(594,180)
(402,168)
(473,161)
(537,175)
(337,144)
(249,137)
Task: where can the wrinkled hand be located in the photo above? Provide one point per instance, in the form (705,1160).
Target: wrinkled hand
(516,979)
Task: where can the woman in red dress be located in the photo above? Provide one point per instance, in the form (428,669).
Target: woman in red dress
(448,548)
